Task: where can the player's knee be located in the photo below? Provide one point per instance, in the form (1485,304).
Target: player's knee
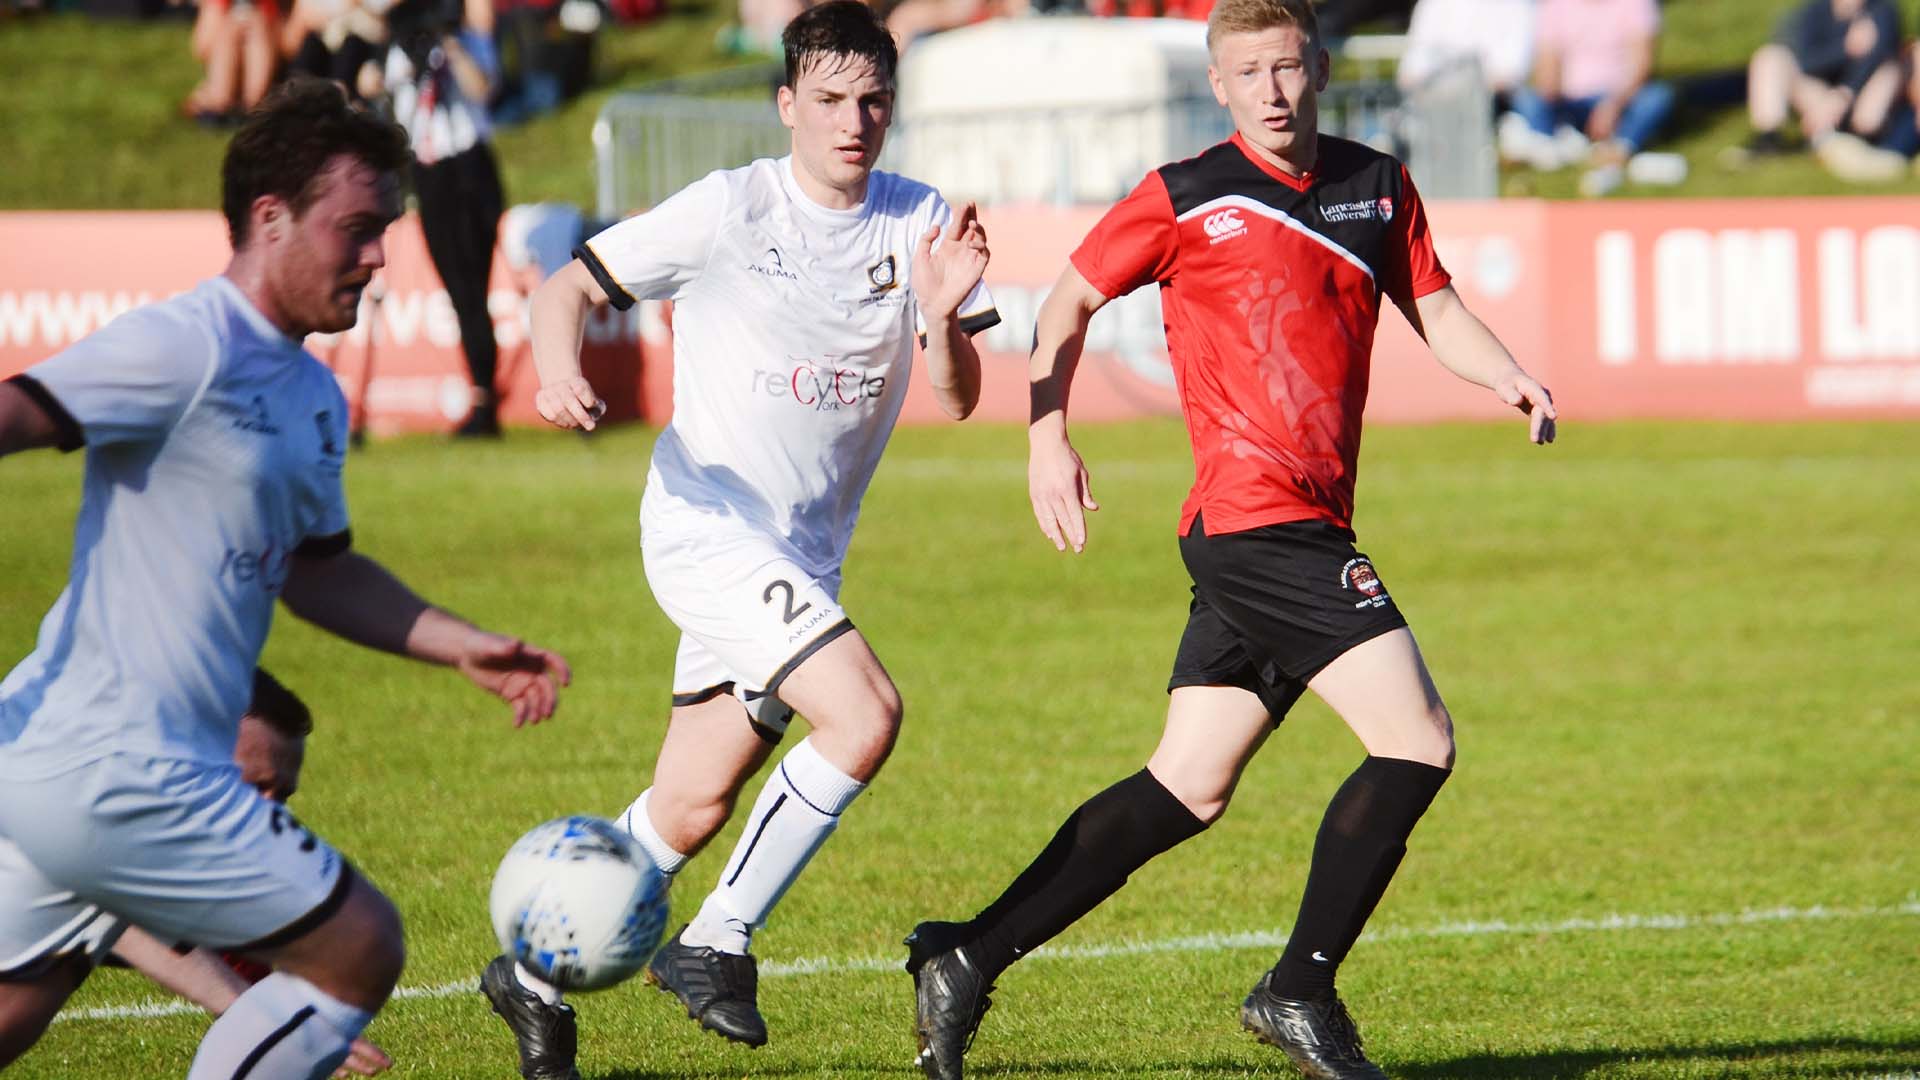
(1438,745)
(366,967)
(26,1008)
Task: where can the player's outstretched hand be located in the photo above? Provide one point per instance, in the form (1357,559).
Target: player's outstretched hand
(570,403)
(364,1059)
(943,276)
(1057,483)
(1524,393)
(524,676)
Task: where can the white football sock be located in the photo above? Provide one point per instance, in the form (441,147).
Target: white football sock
(283,1027)
(640,826)
(794,815)
(535,985)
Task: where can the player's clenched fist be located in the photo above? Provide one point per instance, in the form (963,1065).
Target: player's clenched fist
(570,403)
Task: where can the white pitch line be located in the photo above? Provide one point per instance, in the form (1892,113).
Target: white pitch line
(1197,943)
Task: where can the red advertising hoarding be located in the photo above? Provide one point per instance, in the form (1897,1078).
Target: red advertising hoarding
(1737,309)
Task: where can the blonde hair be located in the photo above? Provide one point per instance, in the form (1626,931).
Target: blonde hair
(1253,16)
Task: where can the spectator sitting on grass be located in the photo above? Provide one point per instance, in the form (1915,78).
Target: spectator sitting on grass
(234,42)
(1496,34)
(338,40)
(1591,75)
(1836,65)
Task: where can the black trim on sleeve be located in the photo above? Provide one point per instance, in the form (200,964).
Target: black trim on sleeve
(70,437)
(985,320)
(617,295)
(973,324)
(325,547)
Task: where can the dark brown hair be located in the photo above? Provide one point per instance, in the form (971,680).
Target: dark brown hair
(276,705)
(844,29)
(286,142)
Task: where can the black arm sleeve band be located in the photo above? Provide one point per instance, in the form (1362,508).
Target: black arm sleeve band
(70,437)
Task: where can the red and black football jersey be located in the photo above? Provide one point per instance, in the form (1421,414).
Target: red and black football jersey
(1270,293)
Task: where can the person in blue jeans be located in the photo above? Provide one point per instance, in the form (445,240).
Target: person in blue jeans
(1593,66)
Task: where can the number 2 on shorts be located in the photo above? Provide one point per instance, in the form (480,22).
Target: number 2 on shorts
(788,611)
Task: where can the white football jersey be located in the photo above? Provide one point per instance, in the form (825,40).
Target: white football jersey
(793,335)
(214,450)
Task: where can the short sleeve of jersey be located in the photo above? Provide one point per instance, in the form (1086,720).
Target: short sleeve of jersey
(656,254)
(977,311)
(1136,242)
(131,380)
(1412,269)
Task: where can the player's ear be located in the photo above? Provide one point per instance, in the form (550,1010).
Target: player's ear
(1219,89)
(1326,71)
(270,215)
(783,98)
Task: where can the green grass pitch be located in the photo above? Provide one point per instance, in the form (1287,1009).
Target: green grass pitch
(1684,661)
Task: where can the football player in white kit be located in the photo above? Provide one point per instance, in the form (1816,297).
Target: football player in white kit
(798,286)
(214,446)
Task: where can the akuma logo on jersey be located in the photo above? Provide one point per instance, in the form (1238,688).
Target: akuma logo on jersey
(1358,575)
(771,265)
(820,387)
(1223,225)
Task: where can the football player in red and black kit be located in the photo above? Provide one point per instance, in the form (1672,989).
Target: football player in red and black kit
(1272,251)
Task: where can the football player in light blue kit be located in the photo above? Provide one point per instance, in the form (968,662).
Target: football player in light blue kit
(214,450)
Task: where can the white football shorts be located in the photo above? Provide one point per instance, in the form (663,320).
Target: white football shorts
(183,849)
(748,613)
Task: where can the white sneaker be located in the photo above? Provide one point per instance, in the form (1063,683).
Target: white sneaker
(1853,158)
(1601,181)
(1658,169)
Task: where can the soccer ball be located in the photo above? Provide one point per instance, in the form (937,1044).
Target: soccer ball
(579,903)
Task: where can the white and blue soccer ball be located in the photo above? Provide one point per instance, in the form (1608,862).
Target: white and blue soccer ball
(579,903)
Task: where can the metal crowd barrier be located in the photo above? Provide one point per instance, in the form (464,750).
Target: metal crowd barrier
(651,143)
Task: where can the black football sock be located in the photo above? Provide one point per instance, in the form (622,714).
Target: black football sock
(1103,842)
(1361,841)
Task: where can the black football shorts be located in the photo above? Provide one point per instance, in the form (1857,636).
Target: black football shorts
(1274,605)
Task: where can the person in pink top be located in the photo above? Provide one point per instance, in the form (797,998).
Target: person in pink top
(1593,66)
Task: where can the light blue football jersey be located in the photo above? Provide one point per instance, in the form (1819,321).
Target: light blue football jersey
(214,450)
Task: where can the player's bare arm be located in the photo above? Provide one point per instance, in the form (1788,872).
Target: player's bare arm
(558,310)
(1464,346)
(1057,481)
(24,425)
(358,599)
(943,277)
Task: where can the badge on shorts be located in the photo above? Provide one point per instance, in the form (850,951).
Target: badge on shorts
(1358,575)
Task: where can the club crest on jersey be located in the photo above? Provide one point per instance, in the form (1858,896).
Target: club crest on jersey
(883,275)
(1386,208)
(330,452)
(1358,576)
(256,419)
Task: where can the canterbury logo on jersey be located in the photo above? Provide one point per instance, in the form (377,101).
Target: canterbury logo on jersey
(1224,225)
